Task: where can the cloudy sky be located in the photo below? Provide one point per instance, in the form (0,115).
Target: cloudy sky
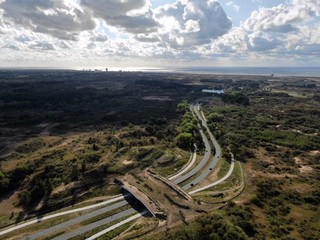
(159,33)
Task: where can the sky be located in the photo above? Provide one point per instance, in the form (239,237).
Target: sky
(159,33)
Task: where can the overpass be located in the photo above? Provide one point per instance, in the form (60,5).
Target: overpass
(143,198)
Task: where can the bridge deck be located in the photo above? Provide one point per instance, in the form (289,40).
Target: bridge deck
(143,198)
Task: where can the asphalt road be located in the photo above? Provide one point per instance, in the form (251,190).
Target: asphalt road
(99,234)
(97,224)
(189,165)
(202,163)
(130,211)
(217,182)
(76,220)
(42,218)
(216,157)
(206,157)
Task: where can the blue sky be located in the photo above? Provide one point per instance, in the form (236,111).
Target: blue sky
(159,33)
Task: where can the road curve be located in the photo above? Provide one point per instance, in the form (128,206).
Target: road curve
(193,159)
(203,162)
(176,179)
(216,157)
(217,182)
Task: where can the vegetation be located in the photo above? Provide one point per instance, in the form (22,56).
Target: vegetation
(214,226)
(277,136)
(65,137)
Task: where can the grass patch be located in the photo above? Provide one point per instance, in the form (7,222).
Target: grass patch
(284,138)
(225,190)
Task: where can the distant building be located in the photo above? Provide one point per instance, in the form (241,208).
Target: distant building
(213,91)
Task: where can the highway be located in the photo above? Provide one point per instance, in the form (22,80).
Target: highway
(216,157)
(192,161)
(202,163)
(178,178)
(217,182)
(76,220)
(42,218)
(99,234)
(97,224)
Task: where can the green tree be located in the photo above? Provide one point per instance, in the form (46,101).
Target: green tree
(183,106)
(189,128)
(95,147)
(74,176)
(184,140)
(24,198)
(4,182)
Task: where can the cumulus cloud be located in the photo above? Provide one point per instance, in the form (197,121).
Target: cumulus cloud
(112,8)
(284,17)
(59,18)
(285,31)
(235,41)
(12,47)
(149,38)
(188,23)
(124,14)
(100,38)
(43,45)
(96,30)
(234,6)
(259,41)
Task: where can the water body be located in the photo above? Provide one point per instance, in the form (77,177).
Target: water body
(277,71)
(280,71)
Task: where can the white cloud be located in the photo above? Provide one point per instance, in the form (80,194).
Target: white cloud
(52,17)
(99,37)
(94,31)
(284,17)
(260,41)
(191,22)
(192,26)
(43,45)
(234,6)
(282,32)
(132,16)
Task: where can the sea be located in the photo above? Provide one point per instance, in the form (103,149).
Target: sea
(267,71)
(277,71)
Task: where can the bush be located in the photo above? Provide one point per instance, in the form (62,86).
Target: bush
(184,140)
(91,158)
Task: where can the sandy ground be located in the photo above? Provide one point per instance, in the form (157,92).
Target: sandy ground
(7,206)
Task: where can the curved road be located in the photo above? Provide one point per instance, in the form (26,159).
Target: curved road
(216,157)
(193,159)
(203,162)
(177,179)
(217,182)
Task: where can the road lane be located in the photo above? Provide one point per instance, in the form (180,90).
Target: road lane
(97,224)
(42,218)
(74,221)
(202,163)
(177,179)
(217,182)
(134,217)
